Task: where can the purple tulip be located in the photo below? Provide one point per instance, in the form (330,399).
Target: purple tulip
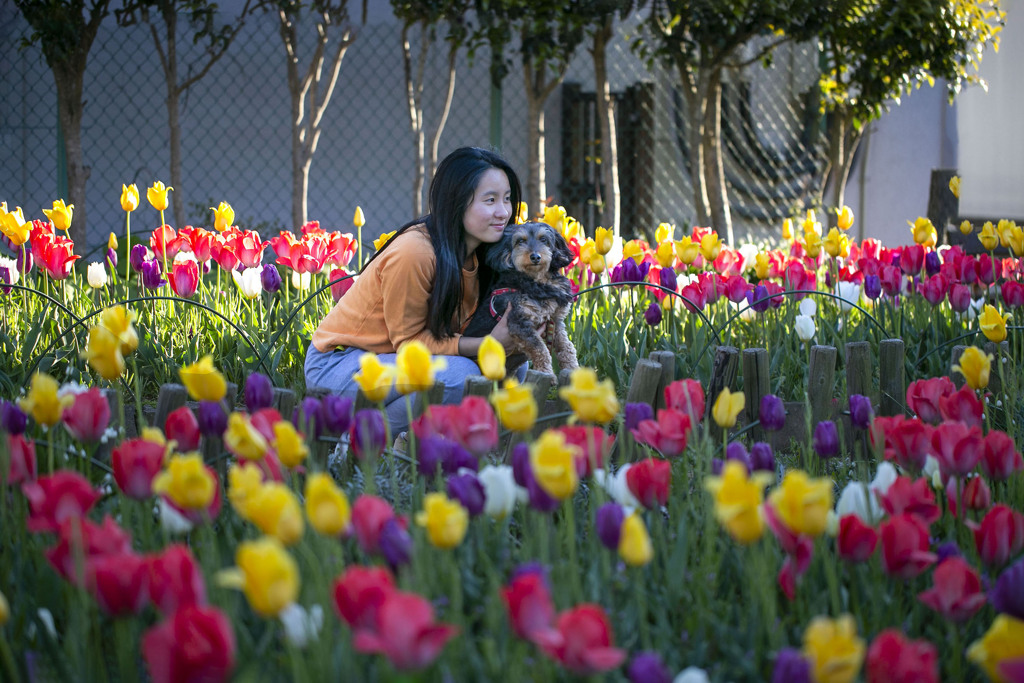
(395,544)
(270,278)
(459,459)
(1007,596)
(946,551)
(791,667)
(932,264)
(872,286)
(737,451)
(25,261)
(826,439)
(895,260)
(522,472)
(530,568)
(6,278)
(259,392)
(761,457)
(772,413)
(668,279)
(653,314)
(137,256)
(337,413)
(717,465)
(647,667)
(308,417)
(637,413)
(861,412)
(151,274)
(608,522)
(631,271)
(212,418)
(13,419)
(112,258)
(431,453)
(754,298)
(521,464)
(468,490)
(367,433)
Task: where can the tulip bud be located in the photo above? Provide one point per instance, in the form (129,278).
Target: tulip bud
(96,275)
(271,278)
(12,419)
(826,439)
(212,418)
(112,258)
(151,274)
(358,219)
(872,286)
(337,413)
(805,329)
(395,544)
(653,314)
(137,257)
(761,457)
(772,413)
(861,412)
(259,392)
(608,521)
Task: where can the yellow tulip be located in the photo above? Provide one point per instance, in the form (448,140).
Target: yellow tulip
(327,506)
(710,246)
(988,236)
(1004,229)
(833,242)
(727,408)
(954,186)
(787,229)
(738,501)
(762,265)
(374,378)
(976,367)
(812,244)
(154,435)
(60,214)
(604,238)
(923,231)
(186,481)
(1015,240)
(833,648)
(966,228)
(597,264)
(275,511)
(289,445)
(267,574)
(687,250)
(553,462)
(42,401)
(515,406)
(14,226)
(571,229)
(635,547)
(632,249)
(663,232)
(993,324)
(103,353)
(244,481)
(802,503)
(382,240)
(112,241)
(243,439)
(223,216)
(665,254)
(203,381)
(118,320)
(844,218)
(416,367)
(554,216)
(491,358)
(157,195)
(130,197)
(1003,642)
(591,401)
(811,223)
(523,213)
(445,520)
(358,219)
(588,250)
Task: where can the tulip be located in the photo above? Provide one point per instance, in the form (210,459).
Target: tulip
(652,316)
(583,641)
(223,216)
(445,520)
(993,324)
(59,497)
(275,510)
(103,353)
(492,359)
(591,401)
(649,481)
(1007,595)
(975,366)
(374,378)
(129,197)
(834,649)
(184,277)
(956,592)
(999,536)
(248,281)
(60,214)
(187,482)
(515,405)
(686,395)
(87,417)
(96,275)
(138,256)
(367,433)
(22,466)
(267,574)
(289,445)
(892,658)
(728,406)
(844,218)
(415,367)
(193,644)
(337,413)
(772,412)
(802,503)
(152,274)
(499,490)
(905,545)
(270,278)
(359,593)
(635,546)
(136,462)
(259,392)
(553,463)
(608,524)
(43,402)
(668,434)
(467,489)
(826,439)
(636,413)
(119,583)
(382,240)
(157,196)
(203,381)
(1000,458)
(243,439)
(791,666)
(175,580)
(406,632)
(1000,652)
(212,418)
(738,501)
(762,458)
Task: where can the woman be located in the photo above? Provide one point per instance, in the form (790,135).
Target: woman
(423,284)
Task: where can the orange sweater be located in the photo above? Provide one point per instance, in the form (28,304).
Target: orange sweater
(387,305)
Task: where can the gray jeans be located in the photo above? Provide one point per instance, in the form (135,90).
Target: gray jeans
(333,371)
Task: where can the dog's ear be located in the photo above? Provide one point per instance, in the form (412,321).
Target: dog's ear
(561,254)
(499,255)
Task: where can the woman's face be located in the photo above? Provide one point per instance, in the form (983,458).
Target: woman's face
(489,211)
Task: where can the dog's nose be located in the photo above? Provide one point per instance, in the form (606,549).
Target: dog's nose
(535,258)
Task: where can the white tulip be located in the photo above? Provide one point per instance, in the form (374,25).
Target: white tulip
(805,328)
(808,307)
(849,294)
(248,281)
(858,499)
(300,281)
(616,486)
(692,674)
(499,490)
(9,267)
(884,478)
(172,521)
(302,627)
(96,274)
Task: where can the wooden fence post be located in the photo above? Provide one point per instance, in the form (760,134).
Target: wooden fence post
(723,374)
(821,378)
(858,369)
(755,386)
(643,387)
(892,377)
(667,360)
(170,398)
(284,402)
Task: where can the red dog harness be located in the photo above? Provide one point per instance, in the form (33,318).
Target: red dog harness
(549,331)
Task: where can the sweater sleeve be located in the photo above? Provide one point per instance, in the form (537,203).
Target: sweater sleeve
(407,279)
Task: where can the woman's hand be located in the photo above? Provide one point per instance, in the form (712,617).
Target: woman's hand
(501,333)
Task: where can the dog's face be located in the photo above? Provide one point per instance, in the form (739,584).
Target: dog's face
(533,248)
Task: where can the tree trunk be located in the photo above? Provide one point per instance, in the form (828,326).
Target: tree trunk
(711,141)
(169,61)
(610,195)
(68,78)
(414,101)
(696,105)
(538,88)
(435,141)
(843,142)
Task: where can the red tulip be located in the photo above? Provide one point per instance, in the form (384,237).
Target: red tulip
(165,238)
(957,447)
(79,541)
(341,282)
(23,459)
(962,406)
(856,541)
(892,658)
(223,252)
(475,426)
(341,248)
(530,609)
(908,442)
(923,397)
(359,593)
(694,297)
(649,480)
(1000,535)
(184,278)
(369,513)
(1013,293)
(594,443)
(55,254)
(934,289)
(175,580)
(182,427)
(959,297)
(406,632)
(193,644)
(1001,457)
(686,396)
(956,590)
(905,546)
(87,418)
(912,497)
(56,498)
(200,242)
(119,583)
(246,245)
(135,463)
(976,494)
(891,280)
(912,259)
(582,641)
(667,435)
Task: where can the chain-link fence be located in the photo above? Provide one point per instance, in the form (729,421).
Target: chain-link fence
(236,135)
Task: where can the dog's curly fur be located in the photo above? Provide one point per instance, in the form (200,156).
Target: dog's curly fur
(528,260)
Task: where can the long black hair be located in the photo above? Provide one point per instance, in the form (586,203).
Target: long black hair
(451,192)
